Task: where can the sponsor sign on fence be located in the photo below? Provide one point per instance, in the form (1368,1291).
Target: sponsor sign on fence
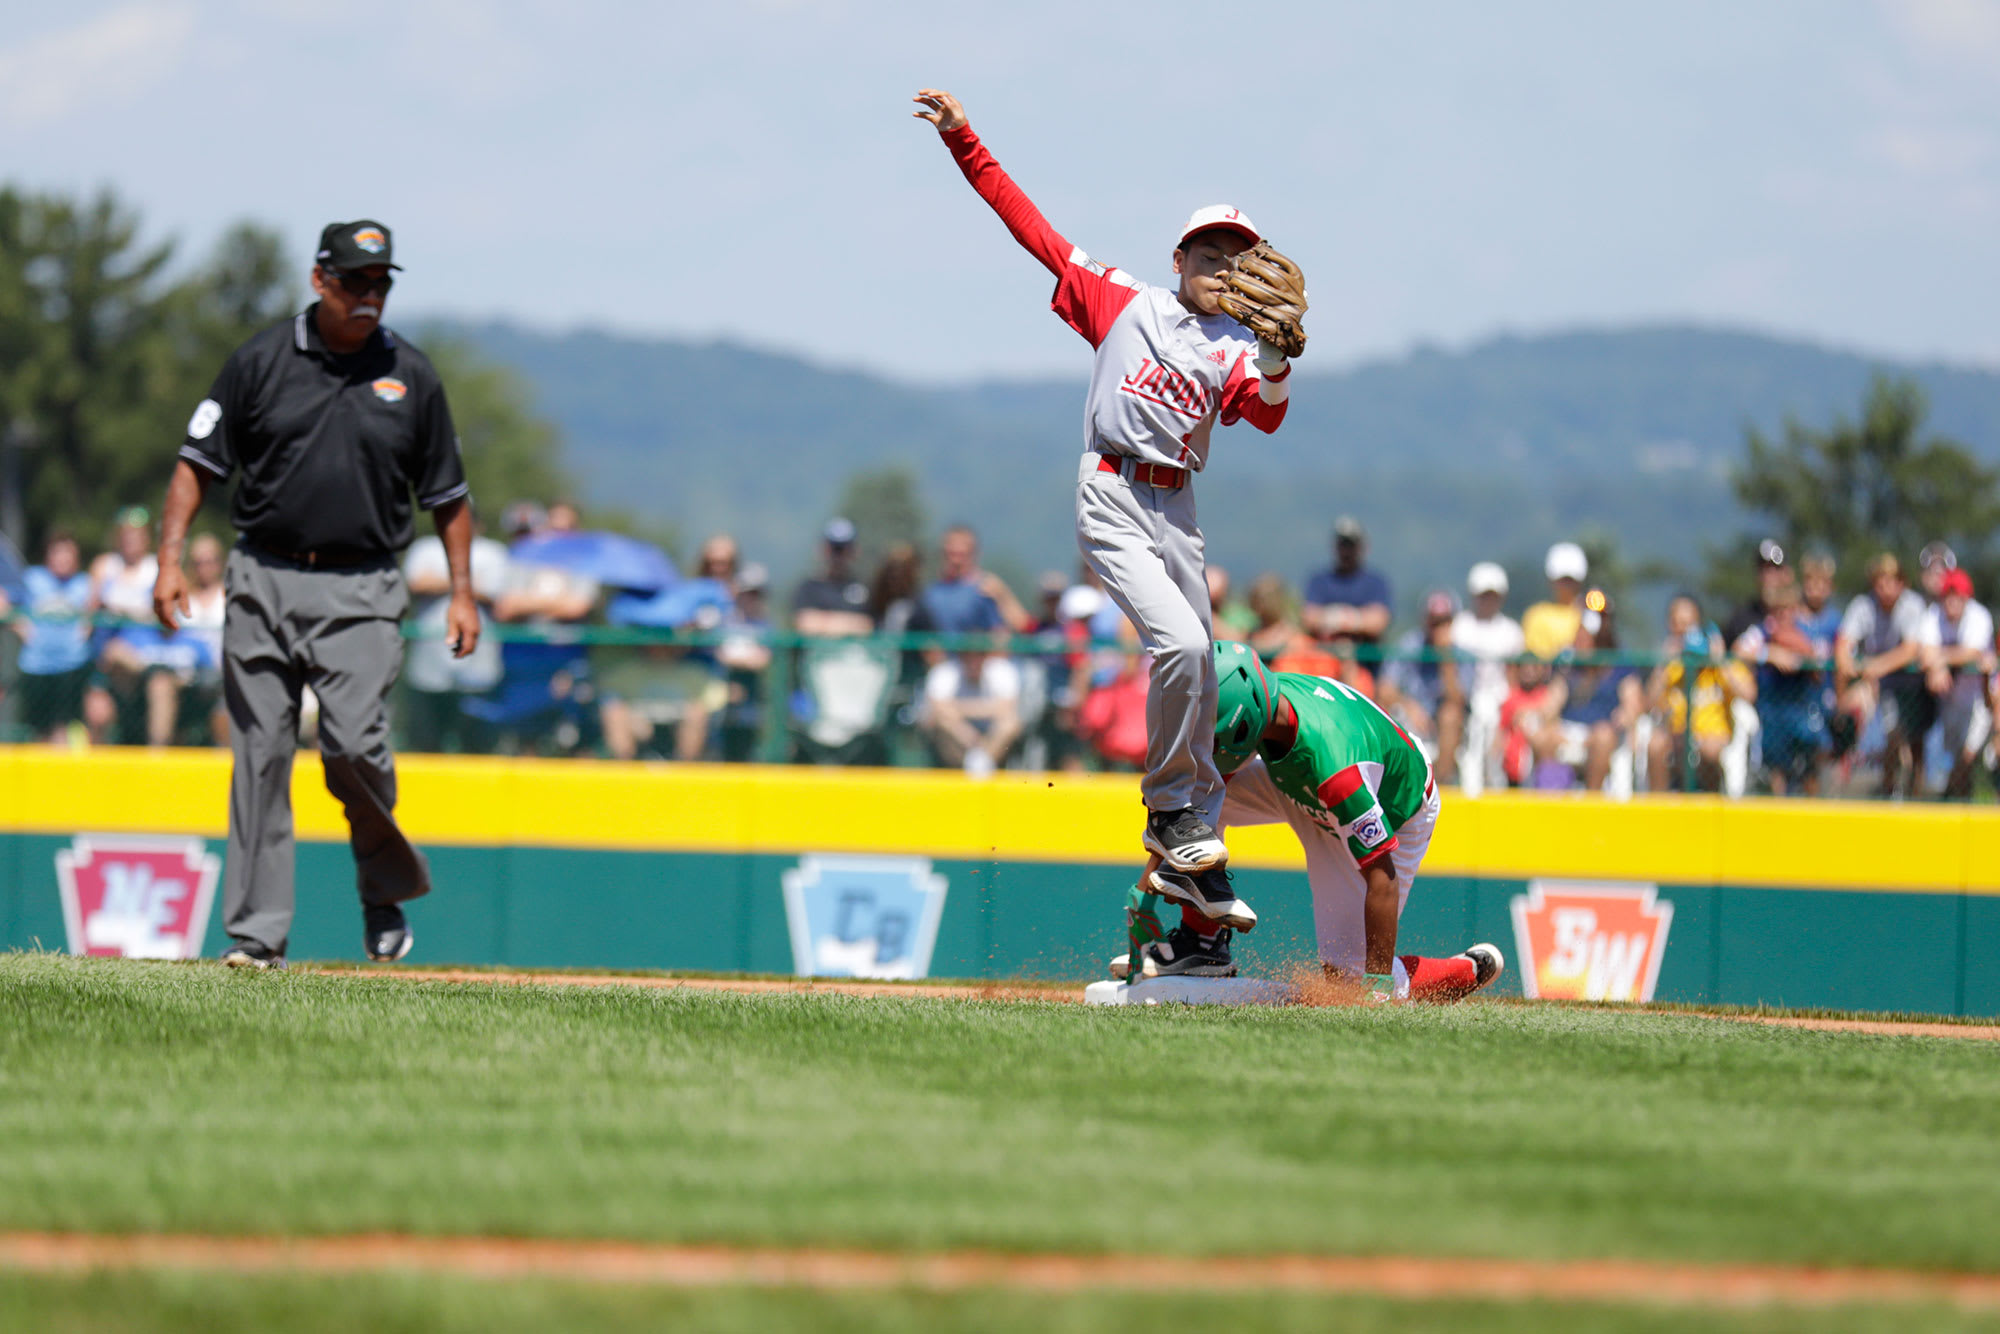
(863,916)
(1581,941)
(135,896)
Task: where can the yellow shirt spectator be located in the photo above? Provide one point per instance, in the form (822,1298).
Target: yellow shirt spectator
(1550,628)
(1714,688)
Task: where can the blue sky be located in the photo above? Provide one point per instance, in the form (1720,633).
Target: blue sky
(1443,170)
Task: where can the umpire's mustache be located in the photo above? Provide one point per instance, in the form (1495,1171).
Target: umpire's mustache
(372,312)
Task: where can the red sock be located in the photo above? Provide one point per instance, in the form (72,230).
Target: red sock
(1192,919)
(1439,979)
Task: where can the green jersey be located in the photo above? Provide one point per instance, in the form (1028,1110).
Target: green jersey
(1352,769)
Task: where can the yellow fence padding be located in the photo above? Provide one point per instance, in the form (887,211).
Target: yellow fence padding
(1011,817)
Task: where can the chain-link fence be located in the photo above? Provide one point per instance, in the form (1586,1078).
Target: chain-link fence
(1621,723)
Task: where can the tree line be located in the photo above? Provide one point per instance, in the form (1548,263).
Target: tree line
(108,339)
(1860,485)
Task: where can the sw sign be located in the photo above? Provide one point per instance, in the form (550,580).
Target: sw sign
(1589,941)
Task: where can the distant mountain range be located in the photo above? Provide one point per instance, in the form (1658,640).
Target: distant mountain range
(1449,456)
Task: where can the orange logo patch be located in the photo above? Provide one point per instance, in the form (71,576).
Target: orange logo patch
(1590,942)
(389,389)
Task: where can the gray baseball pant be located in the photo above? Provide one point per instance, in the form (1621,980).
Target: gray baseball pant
(1144,544)
(285,627)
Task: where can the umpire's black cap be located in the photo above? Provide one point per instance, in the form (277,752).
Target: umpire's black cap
(355,245)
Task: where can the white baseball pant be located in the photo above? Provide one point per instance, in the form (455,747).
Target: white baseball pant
(1339,890)
(1144,544)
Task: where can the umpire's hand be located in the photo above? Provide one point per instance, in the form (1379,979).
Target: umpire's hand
(461,623)
(170,595)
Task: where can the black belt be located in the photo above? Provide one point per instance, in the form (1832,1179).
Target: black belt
(321,558)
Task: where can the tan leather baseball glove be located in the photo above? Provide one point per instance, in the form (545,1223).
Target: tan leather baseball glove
(1267,295)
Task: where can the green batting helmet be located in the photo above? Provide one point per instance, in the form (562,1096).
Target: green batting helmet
(1244,698)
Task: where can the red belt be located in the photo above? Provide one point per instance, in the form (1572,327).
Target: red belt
(1154,474)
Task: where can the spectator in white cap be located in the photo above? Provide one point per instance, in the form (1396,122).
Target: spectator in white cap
(1492,639)
(1550,627)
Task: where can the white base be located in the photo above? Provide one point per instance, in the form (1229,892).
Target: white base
(1190,991)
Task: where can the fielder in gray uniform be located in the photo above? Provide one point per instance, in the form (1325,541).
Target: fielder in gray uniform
(1169,365)
(328,422)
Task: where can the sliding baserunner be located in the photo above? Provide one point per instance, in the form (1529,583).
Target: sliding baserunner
(1319,756)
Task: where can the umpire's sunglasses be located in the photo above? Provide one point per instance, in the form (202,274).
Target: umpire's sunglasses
(360,284)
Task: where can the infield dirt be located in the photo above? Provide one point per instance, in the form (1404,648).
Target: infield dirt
(1427,1278)
(1314,992)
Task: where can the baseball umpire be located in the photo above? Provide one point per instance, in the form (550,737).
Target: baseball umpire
(328,421)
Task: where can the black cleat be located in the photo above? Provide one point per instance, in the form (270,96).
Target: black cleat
(1186,953)
(1208,893)
(1487,962)
(250,954)
(1184,840)
(386,934)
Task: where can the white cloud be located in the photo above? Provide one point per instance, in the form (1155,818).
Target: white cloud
(1961,32)
(110,60)
(1921,151)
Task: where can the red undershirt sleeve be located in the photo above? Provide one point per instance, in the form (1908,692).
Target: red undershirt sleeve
(1243,397)
(1088,295)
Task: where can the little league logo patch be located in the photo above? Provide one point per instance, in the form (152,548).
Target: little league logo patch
(863,916)
(136,897)
(1370,831)
(389,389)
(371,240)
(1591,941)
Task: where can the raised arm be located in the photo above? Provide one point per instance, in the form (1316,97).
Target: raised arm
(1023,219)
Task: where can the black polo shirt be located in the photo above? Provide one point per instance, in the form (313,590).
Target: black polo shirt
(822,594)
(329,447)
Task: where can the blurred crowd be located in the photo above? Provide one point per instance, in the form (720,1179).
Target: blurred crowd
(1892,690)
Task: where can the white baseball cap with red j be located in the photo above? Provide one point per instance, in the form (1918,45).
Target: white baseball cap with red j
(1222,216)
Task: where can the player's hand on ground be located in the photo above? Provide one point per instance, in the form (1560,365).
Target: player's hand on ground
(940,108)
(170,595)
(461,625)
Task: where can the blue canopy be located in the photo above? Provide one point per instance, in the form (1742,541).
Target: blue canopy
(612,559)
(683,604)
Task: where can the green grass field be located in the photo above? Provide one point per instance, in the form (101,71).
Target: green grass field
(402,1304)
(186,1098)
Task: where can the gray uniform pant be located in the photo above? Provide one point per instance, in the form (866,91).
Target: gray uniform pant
(1143,543)
(287,626)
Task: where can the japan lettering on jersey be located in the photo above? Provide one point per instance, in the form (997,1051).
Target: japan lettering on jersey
(1163,374)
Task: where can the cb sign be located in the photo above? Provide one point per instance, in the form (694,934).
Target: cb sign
(863,916)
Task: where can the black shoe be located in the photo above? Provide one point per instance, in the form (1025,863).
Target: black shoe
(1186,953)
(1184,840)
(1208,893)
(386,933)
(250,954)
(1487,963)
